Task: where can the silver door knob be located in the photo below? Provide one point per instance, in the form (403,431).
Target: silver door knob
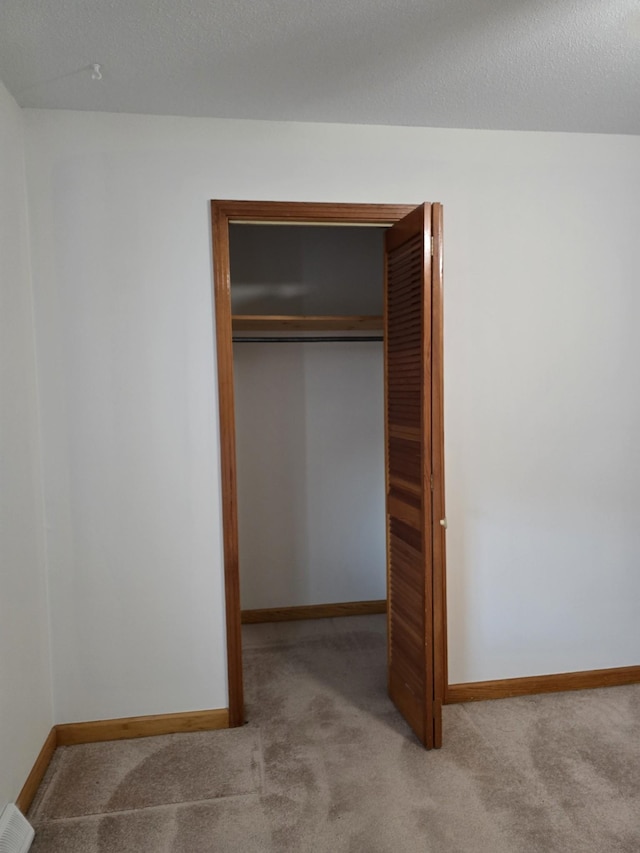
(443,522)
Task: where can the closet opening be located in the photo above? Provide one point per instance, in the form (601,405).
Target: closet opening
(329,344)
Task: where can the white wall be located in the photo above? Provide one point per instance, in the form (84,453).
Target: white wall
(302,269)
(542,410)
(310,449)
(25,668)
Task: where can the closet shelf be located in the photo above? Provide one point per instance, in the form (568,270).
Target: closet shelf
(257,322)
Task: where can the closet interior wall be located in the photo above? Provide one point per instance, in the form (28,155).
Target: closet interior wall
(309,418)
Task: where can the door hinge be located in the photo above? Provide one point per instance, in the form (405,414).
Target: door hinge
(432,482)
(432,245)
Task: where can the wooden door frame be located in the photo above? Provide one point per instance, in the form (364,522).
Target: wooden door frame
(224,213)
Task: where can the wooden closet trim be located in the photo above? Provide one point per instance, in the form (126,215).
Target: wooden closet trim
(223,213)
(310,212)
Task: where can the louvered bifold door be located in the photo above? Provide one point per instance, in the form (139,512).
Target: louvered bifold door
(408,462)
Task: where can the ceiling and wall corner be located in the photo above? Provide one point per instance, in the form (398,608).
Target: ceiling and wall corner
(565,65)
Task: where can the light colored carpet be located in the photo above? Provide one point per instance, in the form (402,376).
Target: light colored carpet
(326,764)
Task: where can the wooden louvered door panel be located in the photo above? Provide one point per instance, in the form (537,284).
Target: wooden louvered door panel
(408,390)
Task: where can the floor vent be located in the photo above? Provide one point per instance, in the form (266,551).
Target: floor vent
(16,833)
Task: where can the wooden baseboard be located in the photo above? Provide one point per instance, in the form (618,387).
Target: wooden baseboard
(132,727)
(558,683)
(68,734)
(118,729)
(30,787)
(314,611)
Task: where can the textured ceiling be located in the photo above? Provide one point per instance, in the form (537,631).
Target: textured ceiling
(509,64)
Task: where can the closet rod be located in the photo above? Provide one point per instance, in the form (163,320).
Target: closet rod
(300,339)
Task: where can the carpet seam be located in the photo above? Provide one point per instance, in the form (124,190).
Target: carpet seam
(46,784)
(176,804)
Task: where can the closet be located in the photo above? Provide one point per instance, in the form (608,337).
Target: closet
(309,404)
(334,489)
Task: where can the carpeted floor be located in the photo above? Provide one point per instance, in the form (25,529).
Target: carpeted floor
(326,765)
